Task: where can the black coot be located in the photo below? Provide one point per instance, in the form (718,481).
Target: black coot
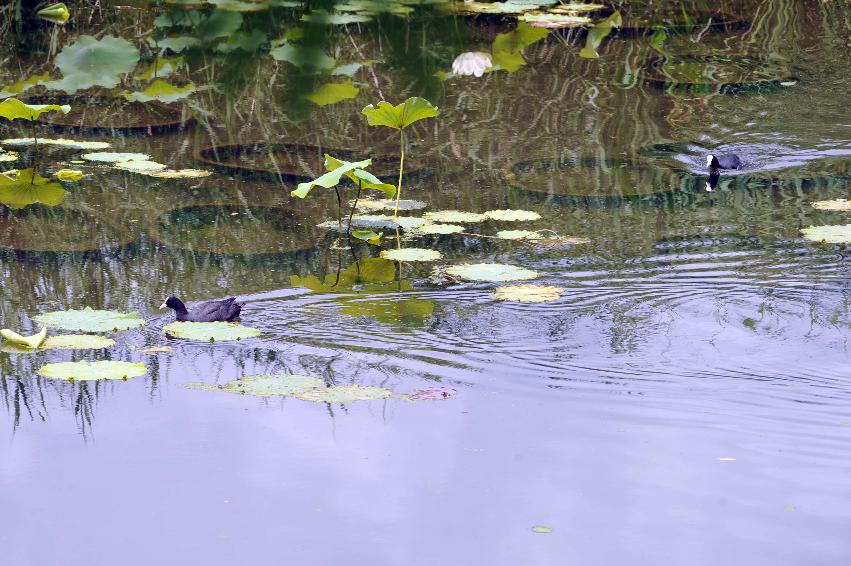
(712,181)
(723,161)
(211,311)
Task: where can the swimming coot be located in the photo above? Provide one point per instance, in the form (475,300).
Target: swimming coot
(723,161)
(211,311)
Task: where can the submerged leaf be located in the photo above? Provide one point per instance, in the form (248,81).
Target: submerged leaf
(14,109)
(401,115)
(411,254)
(528,293)
(541,529)
(490,272)
(451,216)
(210,331)
(23,85)
(88,320)
(836,234)
(311,57)
(92,371)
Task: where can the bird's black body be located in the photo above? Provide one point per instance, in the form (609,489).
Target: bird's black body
(723,161)
(211,311)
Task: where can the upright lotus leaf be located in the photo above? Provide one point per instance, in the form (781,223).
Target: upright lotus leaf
(14,109)
(21,188)
(221,23)
(92,371)
(31,342)
(92,62)
(210,331)
(56,13)
(507,47)
(23,85)
(368,236)
(332,93)
(598,33)
(301,56)
(365,179)
(89,320)
(401,115)
(331,178)
(162,91)
(276,385)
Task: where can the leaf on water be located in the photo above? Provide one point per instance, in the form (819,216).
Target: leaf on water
(528,293)
(835,234)
(439,229)
(92,371)
(840,204)
(507,47)
(453,216)
(541,529)
(389,222)
(411,254)
(31,342)
(140,166)
(68,175)
(24,85)
(390,204)
(8,156)
(111,157)
(60,142)
(332,93)
(300,56)
(368,236)
(14,109)
(509,7)
(401,115)
(490,272)
(180,174)
(92,62)
(324,18)
(23,187)
(67,342)
(88,320)
(344,394)
(554,21)
(210,331)
(277,385)
(176,44)
(512,215)
(156,350)
(162,91)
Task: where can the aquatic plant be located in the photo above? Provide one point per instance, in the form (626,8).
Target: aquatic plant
(210,331)
(31,342)
(528,293)
(92,371)
(64,342)
(14,109)
(56,13)
(399,117)
(22,187)
(89,320)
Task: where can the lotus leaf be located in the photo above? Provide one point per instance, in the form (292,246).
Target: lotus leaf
(507,47)
(836,234)
(512,215)
(507,7)
(182,18)
(278,385)
(554,21)
(24,85)
(162,91)
(141,166)
(839,204)
(364,179)
(332,93)
(324,18)
(210,331)
(180,174)
(347,70)
(411,254)
(92,62)
(20,188)
(369,236)
(389,204)
(246,41)
(381,221)
(401,115)
(161,68)
(31,342)
(88,320)
(67,342)
(303,56)
(395,309)
(331,178)
(69,175)
(490,272)
(438,229)
(221,23)
(110,157)
(8,156)
(14,109)
(56,13)
(92,371)
(599,32)
(176,44)
(452,216)
(344,394)
(60,142)
(528,293)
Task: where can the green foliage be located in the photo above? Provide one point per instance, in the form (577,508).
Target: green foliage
(14,109)
(56,13)
(21,188)
(599,32)
(24,85)
(88,320)
(92,371)
(162,91)
(92,62)
(332,93)
(310,57)
(331,178)
(368,236)
(401,115)
(210,331)
(361,177)
(507,47)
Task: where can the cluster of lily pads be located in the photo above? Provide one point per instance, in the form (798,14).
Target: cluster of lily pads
(830,234)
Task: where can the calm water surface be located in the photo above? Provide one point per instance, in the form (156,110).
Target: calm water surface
(686,401)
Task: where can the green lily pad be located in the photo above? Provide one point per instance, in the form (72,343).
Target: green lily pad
(162,91)
(542,529)
(835,234)
(490,272)
(332,93)
(66,342)
(14,109)
(89,320)
(210,331)
(22,187)
(512,215)
(411,254)
(840,204)
(92,62)
(528,293)
(278,385)
(390,204)
(92,371)
(140,166)
(439,229)
(344,394)
(8,156)
(401,115)
(59,142)
(453,216)
(113,157)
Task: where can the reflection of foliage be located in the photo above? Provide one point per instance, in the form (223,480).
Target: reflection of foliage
(94,62)
(507,47)
(21,188)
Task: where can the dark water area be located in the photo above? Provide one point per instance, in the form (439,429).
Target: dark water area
(687,399)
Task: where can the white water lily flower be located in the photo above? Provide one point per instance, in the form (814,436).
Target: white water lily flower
(472,63)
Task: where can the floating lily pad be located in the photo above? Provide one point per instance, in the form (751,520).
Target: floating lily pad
(836,234)
(92,371)
(373,221)
(180,174)
(8,156)
(156,350)
(453,216)
(278,385)
(57,142)
(439,229)
(490,272)
(210,331)
(67,342)
(840,204)
(528,293)
(541,529)
(508,7)
(68,175)
(112,157)
(344,394)
(512,215)
(390,204)
(28,342)
(89,320)
(143,167)
(411,254)
(554,20)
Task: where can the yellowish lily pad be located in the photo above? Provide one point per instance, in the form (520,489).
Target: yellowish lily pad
(210,331)
(344,394)
(439,229)
(140,166)
(453,216)
(68,175)
(92,371)
(411,254)
(180,174)
(528,293)
(835,234)
(278,385)
(840,204)
(66,342)
(30,342)
(114,157)
(512,215)
(490,272)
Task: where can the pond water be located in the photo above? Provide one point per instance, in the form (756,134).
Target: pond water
(687,399)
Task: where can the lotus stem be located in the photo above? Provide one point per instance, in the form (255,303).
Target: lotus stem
(339,214)
(401,168)
(352,213)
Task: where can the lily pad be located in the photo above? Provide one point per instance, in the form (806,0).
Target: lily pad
(92,62)
(113,157)
(210,331)
(835,234)
(67,342)
(162,91)
(344,394)
(22,187)
(490,272)
(59,142)
(89,320)
(840,204)
(453,216)
(143,167)
(68,175)
(411,254)
(92,371)
(390,204)
(8,156)
(332,93)
(180,174)
(528,293)
(508,7)
(439,229)
(30,342)
(512,215)
(551,20)
(373,221)
(278,385)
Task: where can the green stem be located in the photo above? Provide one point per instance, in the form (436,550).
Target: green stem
(339,214)
(401,167)
(35,144)
(352,213)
